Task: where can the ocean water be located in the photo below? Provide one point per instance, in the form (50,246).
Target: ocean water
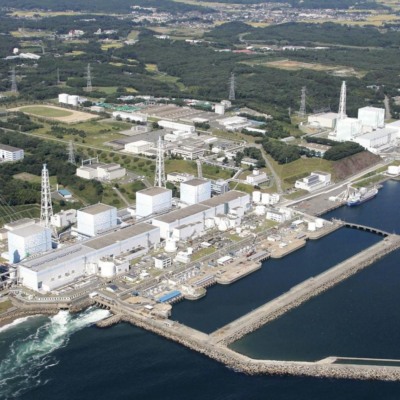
(66,357)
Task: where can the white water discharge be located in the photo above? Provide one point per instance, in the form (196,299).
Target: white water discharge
(14,323)
(28,357)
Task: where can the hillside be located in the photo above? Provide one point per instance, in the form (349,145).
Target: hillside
(353,164)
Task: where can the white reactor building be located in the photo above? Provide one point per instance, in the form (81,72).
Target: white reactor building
(152,200)
(95,219)
(195,191)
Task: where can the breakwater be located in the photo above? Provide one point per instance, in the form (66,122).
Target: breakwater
(304,291)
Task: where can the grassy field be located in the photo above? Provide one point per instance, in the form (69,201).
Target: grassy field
(74,53)
(209,171)
(5,305)
(24,211)
(133,35)
(111,45)
(151,68)
(43,111)
(106,89)
(26,176)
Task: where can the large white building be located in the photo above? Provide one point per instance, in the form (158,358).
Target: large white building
(27,241)
(377,140)
(323,120)
(95,219)
(176,126)
(152,200)
(101,171)
(10,153)
(315,181)
(256,177)
(133,117)
(195,219)
(139,147)
(63,218)
(347,129)
(372,117)
(178,177)
(195,191)
(64,265)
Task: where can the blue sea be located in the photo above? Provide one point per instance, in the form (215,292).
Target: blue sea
(67,357)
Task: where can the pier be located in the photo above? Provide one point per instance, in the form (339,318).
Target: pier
(361,227)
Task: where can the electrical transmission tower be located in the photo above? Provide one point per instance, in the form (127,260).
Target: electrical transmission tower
(58,76)
(232,87)
(159,179)
(46,208)
(88,79)
(71,154)
(342,102)
(302,110)
(14,88)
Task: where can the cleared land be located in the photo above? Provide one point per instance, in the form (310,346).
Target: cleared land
(56,113)
(291,65)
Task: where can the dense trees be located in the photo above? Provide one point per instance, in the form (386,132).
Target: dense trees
(343,150)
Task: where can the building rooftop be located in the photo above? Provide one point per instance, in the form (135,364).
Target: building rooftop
(96,209)
(154,191)
(223,198)
(42,262)
(29,230)
(181,213)
(118,235)
(8,148)
(377,133)
(195,182)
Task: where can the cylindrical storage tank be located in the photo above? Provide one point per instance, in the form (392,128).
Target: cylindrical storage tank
(189,250)
(223,225)
(219,109)
(170,246)
(107,269)
(63,98)
(73,100)
(319,222)
(393,170)
(256,196)
(311,226)
(232,222)
(260,210)
(265,198)
(238,230)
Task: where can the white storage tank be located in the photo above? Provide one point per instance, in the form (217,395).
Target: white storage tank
(73,100)
(311,226)
(107,268)
(170,245)
(63,98)
(260,210)
(219,109)
(319,222)
(265,198)
(393,170)
(256,196)
(209,223)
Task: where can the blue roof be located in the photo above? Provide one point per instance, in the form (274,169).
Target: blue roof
(64,192)
(169,296)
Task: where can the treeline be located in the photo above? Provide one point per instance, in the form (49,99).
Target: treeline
(281,152)
(37,153)
(251,152)
(329,33)
(114,6)
(20,121)
(342,150)
(59,131)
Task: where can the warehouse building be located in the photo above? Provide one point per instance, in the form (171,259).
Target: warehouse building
(96,219)
(63,266)
(176,126)
(101,171)
(378,140)
(139,147)
(315,181)
(10,153)
(133,117)
(323,120)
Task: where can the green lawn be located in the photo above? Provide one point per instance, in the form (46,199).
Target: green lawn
(5,305)
(43,111)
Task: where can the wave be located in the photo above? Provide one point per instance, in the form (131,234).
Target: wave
(28,357)
(16,322)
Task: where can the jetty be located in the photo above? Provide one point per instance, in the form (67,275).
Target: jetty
(215,345)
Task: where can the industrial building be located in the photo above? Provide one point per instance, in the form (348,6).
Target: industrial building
(72,100)
(188,152)
(27,241)
(323,120)
(347,129)
(105,255)
(234,123)
(315,181)
(101,171)
(152,200)
(176,126)
(95,219)
(195,219)
(195,191)
(133,117)
(178,177)
(63,218)
(139,147)
(377,140)
(10,153)
(372,117)
(257,177)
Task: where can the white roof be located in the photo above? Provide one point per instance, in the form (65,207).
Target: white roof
(138,143)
